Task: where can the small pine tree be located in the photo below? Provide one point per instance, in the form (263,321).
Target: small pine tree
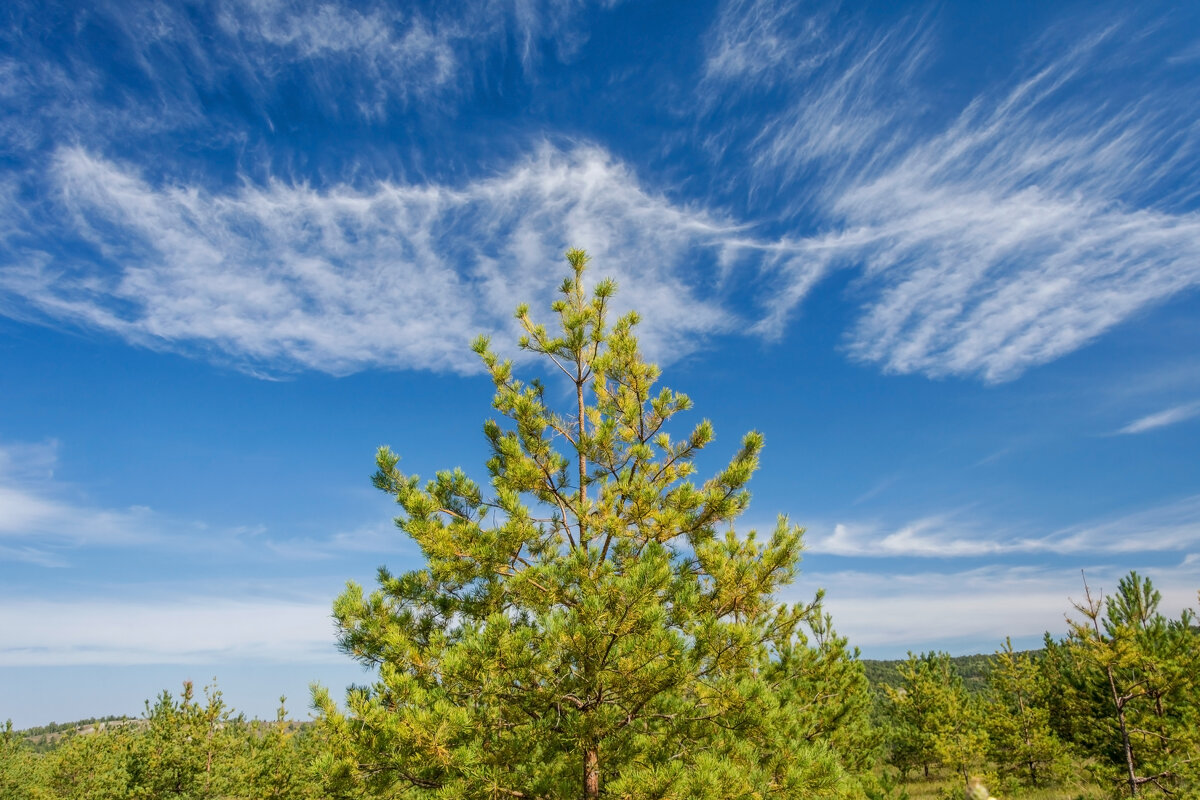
(935,721)
(1148,669)
(1022,743)
(21,774)
(278,767)
(185,747)
(91,765)
(595,627)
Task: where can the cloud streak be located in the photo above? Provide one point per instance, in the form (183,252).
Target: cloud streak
(37,524)
(393,57)
(169,630)
(398,275)
(972,611)
(1162,419)
(986,237)
(1044,214)
(1169,528)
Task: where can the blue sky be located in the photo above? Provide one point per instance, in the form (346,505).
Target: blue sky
(945,257)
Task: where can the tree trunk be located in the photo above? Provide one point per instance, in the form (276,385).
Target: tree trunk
(582,460)
(1112,684)
(591,773)
(1027,735)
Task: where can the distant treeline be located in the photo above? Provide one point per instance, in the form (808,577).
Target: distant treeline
(972,669)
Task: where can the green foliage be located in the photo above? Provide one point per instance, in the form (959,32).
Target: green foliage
(1021,741)
(20,769)
(183,748)
(279,761)
(186,747)
(973,669)
(1035,701)
(594,626)
(1137,675)
(95,766)
(935,721)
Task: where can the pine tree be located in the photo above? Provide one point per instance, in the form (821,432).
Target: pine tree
(91,765)
(1149,669)
(935,722)
(278,763)
(594,628)
(185,747)
(1018,720)
(21,773)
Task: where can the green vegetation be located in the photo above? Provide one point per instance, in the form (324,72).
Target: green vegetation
(1045,726)
(1112,709)
(593,627)
(973,670)
(182,748)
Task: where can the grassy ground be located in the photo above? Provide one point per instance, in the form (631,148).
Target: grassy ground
(934,789)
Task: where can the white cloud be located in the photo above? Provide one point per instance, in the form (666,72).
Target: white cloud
(379,54)
(34,511)
(939,536)
(27,513)
(763,40)
(846,120)
(28,460)
(1171,527)
(164,630)
(1166,528)
(400,275)
(1162,419)
(974,610)
(393,55)
(1044,214)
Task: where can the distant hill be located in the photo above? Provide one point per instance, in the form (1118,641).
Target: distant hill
(45,737)
(973,669)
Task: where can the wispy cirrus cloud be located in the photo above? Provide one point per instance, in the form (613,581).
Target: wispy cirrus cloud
(972,611)
(169,629)
(754,41)
(120,75)
(1049,210)
(1162,419)
(401,275)
(38,524)
(393,55)
(1012,238)
(987,239)
(1172,527)
(386,57)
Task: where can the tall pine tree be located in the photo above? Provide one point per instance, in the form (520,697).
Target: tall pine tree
(594,627)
